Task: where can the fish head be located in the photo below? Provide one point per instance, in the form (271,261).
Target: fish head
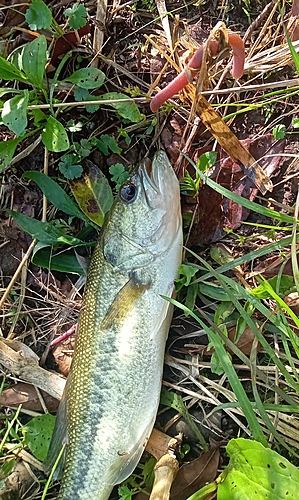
(145,220)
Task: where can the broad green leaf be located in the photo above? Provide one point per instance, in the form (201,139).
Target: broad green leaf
(83,149)
(6,468)
(279,132)
(9,72)
(37,435)
(106,142)
(93,194)
(207,160)
(54,136)
(38,16)
(82,95)
(192,292)
(77,16)
(111,142)
(43,231)
(7,150)
(256,472)
(70,167)
(188,271)
(40,117)
(125,493)
(119,174)
(63,262)
(285,285)
(295,123)
(14,113)
(9,90)
(34,60)
(213,291)
(127,109)
(87,78)
(55,194)
(223,311)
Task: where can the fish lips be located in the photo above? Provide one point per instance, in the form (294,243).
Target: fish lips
(159,181)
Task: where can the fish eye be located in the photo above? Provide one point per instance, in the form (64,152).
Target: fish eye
(128,192)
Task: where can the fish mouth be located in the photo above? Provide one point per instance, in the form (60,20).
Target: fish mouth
(155,175)
(149,178)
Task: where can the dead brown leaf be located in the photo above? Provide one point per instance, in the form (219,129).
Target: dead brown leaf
(293,22)
(194,475)
(67,42)
(245,341)
(63,354)
(14,16)
(215,212)
(26,395)
(158,444)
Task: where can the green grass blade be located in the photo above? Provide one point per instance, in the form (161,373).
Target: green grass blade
(253,424)
(267,249)
(255,207)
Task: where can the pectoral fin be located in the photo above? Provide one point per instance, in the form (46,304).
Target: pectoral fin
(123,304)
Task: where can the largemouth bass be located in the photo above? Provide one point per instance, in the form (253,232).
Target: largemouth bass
(112,393)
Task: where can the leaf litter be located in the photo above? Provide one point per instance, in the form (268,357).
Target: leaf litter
(215,216)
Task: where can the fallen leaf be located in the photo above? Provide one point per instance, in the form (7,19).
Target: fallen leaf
(67,42)
(193,475)
(158,444)
(26,395)
(215,212)
(93,194)
(245,341)
(293,22)
(14,16)
(63,354)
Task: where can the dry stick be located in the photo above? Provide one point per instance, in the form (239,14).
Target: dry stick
(99,30)
(165,471)
(161,6)
(260,18)
(125,72)
(21,300)
(263,30)
(162,447)
(16,360)
(16,274)
(30,249)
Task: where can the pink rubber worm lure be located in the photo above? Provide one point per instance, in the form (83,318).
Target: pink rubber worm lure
(180,82)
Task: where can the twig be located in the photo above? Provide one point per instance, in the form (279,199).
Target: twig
(22,268)
(20,302)
(25,152)
(162,447)
(16,274)
(19,359)
(99,30)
